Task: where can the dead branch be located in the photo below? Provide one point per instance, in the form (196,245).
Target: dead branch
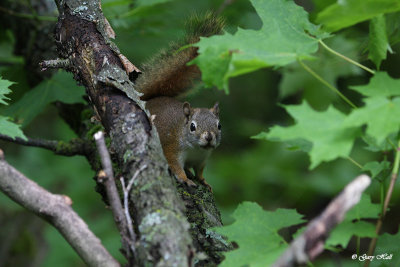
(112,194)
(56,209)
(310,244)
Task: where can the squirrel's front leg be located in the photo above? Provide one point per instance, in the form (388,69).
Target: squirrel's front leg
(177,169)
(199,175)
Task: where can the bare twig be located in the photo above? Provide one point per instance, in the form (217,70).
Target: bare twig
(56,209)
(112,192)
(27,16)
(126,191)
(71,148)
(55,63)
(393,178)
(311,243)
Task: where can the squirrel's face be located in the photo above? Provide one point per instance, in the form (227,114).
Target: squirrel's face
(202,126)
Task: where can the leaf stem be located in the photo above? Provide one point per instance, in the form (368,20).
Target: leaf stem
(355,162)
(319,78)
(393,178)
(346,58)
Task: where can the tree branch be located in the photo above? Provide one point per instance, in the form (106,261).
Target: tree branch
(113,196)
(57,211)
(71,148)
(158,210)
(311,243)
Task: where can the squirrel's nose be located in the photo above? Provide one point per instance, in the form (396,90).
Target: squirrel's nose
(208,136)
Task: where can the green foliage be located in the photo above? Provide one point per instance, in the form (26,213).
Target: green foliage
(376,168)
(332,133)
(378,41)
(353,224)
(140,3)
(330,68)
(10,129)
(329,136)
(286,36)
(372,113)
(6,126)
(378,106)
(380,85)
(387,249)
(61,87)
(347,13)
(4,89)
(256,233)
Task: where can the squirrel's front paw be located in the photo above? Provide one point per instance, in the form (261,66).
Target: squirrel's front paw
(186,181)
(208,186)
(190,183)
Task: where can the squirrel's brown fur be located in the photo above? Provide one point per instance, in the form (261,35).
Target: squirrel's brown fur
(187,134)
(168,74)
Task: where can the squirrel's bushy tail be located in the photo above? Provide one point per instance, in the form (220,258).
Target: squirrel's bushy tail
(167,74)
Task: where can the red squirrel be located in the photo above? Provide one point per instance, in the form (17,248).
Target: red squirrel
(187,135)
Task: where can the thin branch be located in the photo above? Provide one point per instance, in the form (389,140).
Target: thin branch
(112,192)
(27,16)
(126,191)
(393,178)
(72,148)
(56,209)
(311,243)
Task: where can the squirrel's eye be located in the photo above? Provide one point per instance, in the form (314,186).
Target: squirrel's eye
(219,126)
(192,127)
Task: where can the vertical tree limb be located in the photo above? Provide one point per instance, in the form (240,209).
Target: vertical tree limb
(158,213)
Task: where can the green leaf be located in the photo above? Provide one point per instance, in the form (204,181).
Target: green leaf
(325,130)
(381,115)
(376,167)
(4,84)
(387,249)
(392,28)
(61,87)
(10,129)
(381,84)
(328,66)
(378,41)
(387,145)
(256,233)
(347,13)
(141,3)
(286,36)
(342,234)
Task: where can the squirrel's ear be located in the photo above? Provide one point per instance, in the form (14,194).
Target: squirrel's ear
(186,109)
(215,109)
